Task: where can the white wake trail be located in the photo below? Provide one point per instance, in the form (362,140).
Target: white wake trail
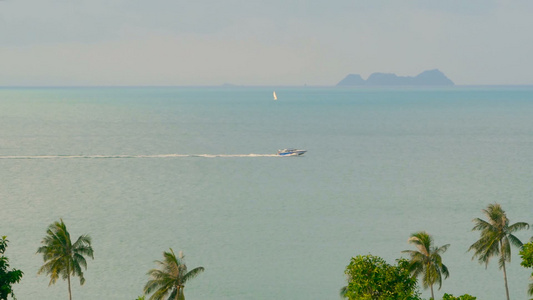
(123,156)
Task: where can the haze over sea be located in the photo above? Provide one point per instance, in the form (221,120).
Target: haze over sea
(145,169)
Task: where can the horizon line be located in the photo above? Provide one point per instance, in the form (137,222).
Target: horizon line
(225,85)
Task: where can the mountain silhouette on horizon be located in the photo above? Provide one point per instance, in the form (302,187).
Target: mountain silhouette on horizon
(427,78)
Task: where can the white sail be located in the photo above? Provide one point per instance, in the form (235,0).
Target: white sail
(274,94)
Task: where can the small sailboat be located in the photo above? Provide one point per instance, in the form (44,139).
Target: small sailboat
(274,94)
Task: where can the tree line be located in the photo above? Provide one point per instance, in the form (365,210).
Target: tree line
(370,277)
(65,259)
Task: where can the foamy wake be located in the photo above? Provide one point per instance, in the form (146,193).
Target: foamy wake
(132,156)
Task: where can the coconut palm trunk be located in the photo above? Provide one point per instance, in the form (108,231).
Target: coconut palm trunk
(504,274)
(428,267)
(68,282)
(69,290)
(432,295)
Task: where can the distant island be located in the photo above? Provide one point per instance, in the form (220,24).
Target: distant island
(427,78)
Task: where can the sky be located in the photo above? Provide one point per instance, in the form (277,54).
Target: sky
(250,42)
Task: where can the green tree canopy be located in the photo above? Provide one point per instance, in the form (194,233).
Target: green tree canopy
(171,278)
(371,278)
(462,297)
(427,260)
(527,261)
(7,277)
(496,238)
(62,257)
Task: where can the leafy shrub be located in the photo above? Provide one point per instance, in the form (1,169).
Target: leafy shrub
(463,297)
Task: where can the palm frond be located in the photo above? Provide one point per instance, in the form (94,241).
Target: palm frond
(343,291)
(173,294)
(518,226)
(482,225)
(82,240)
(444,271)
(62,258)
(515,241)
(161,293)
(427,260)
(170,277)
(191,274)
(486,247)
(441,249)
(154,284)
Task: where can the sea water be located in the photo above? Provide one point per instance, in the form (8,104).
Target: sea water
(142,170)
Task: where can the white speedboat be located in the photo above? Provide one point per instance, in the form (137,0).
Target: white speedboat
(291,152)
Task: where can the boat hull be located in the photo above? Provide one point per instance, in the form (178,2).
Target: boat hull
(291,152)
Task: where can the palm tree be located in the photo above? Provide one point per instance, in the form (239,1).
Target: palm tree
(427,260)
(171,278)
(62,257)
(496,238)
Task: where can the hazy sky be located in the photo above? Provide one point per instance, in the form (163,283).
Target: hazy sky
(249,42)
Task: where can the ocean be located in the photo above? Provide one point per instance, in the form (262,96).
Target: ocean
(142,170)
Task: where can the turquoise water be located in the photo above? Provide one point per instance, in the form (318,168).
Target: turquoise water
(145,169)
